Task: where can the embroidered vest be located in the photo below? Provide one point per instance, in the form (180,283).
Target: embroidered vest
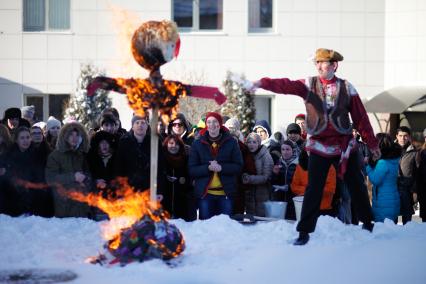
(317,115)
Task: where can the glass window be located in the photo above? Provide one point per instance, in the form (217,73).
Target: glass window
(260,15)
(182,12)
(211,14)
(48,105)
(195,15)
(42,15)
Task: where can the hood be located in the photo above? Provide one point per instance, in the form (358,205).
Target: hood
(182,118)
(263,124)
(62,146)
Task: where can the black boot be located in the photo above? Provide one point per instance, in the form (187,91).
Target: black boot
(368,226)
(302,239)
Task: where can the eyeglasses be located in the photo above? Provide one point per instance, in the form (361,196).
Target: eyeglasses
(36,133)
(177,124)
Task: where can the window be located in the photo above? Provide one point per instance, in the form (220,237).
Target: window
(47,105)
(260,15)
(195,15)
(262,103)
(46,15)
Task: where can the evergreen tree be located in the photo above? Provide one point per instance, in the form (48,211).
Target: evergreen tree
(82,108)
(240,102)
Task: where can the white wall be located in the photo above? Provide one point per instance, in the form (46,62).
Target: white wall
(49,62)
(405,43)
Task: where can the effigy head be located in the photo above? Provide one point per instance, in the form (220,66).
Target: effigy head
(155,43)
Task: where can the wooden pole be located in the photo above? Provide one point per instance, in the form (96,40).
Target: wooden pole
(154,154)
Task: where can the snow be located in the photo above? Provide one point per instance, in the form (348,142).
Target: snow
(221,250)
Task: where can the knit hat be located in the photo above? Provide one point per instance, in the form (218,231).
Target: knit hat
(254,136)
(12,112)
(51,122)
(324,54)
(137,117)
(233,123)
(300,116)
(294,128)
(215,115)
(28,111)
(107,119)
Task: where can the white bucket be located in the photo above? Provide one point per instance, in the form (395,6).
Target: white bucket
(298,202)
(275,209)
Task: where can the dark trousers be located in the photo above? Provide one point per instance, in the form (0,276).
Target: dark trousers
(212,205)
(317,174)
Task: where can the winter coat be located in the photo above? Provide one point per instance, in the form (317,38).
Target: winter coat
(21,167)
(101,168)
(421,183)
(385,191)
(259,184)
(133,160)
(248,167)
(229,157)
(175,186)
(300,182)
(284,177)
(409,167)
(62,164)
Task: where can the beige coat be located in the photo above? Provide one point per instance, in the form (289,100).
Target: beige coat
(259,184)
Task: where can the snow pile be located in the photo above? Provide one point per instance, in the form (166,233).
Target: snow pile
(221,250)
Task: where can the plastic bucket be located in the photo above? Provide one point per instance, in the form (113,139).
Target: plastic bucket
(275,209)
(298,201)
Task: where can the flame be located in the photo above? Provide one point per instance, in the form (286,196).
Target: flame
(143,95)
(123,210)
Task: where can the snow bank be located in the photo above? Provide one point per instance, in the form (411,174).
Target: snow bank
(221,250)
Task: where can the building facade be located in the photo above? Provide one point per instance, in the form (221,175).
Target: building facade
(44,42)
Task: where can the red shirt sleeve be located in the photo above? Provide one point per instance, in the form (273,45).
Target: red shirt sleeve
(285,86)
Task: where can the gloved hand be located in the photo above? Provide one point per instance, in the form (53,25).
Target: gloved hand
(280,187)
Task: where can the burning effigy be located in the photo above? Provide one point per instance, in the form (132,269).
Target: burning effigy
(146,234)
(138,229)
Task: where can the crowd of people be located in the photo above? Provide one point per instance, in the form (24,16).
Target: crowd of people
(212,168)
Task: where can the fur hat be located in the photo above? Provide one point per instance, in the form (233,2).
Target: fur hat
(323,54)
(12,112)
(51,122)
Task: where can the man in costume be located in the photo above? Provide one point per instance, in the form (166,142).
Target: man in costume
(329,100)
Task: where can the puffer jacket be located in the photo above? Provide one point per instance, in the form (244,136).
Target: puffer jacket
(62,164)
(229,157)
(385,191)
(259,184)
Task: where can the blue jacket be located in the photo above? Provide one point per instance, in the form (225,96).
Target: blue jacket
(385,190)
(229,157)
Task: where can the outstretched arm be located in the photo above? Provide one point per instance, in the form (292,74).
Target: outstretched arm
(283,86)
(206,93)
(106,83)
